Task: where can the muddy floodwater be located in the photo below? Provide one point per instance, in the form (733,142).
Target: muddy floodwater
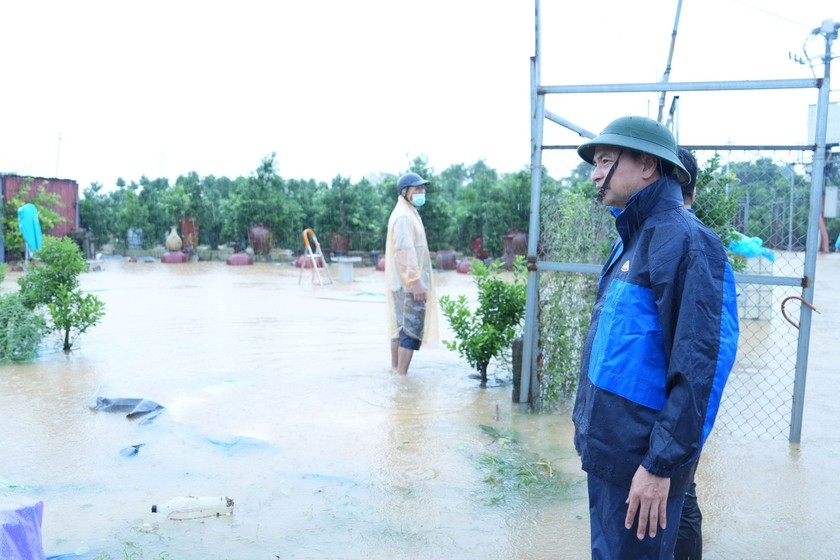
(279,395)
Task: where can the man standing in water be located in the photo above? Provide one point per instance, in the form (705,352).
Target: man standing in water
(661,344)
(408,274)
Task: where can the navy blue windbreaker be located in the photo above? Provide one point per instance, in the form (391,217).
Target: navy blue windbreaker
(661,344)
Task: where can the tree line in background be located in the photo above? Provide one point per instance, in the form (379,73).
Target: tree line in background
(464,202)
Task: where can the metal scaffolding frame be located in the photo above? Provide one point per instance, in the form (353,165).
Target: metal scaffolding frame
(529,390)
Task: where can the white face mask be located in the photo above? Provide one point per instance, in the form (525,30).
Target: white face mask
(418,199)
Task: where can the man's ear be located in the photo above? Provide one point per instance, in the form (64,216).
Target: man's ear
(649,166)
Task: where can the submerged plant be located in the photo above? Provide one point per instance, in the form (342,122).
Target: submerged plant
(510,471)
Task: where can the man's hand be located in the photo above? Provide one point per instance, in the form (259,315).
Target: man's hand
(418,291)
(648,497)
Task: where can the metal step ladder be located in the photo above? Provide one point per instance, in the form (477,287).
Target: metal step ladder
(315,258)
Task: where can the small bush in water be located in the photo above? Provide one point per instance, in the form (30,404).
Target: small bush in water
(487,332)
(54,283)
(21,330)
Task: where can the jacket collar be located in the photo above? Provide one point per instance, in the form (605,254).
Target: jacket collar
(664,194)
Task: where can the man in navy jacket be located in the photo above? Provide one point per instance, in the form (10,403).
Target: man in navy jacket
(661,344)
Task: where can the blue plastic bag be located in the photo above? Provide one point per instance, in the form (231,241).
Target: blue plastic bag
(749,247)
(20,529)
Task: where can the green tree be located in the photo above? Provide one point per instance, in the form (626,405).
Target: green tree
(97,213)
(132,213)
(580,181)
(366,216)
(215,198)
(153,195)
(716,203)
(487,332)
(508,207)
(472,201)
(436,213)
(54,284)
(265,198)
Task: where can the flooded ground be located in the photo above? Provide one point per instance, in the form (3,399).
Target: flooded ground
(280,395)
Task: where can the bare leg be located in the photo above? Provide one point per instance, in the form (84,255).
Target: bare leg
(404,356)
(395,346)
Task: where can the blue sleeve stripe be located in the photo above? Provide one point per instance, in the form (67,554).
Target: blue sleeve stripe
(729,333)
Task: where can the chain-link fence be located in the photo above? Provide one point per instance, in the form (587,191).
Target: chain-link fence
(769,193)
(773,193)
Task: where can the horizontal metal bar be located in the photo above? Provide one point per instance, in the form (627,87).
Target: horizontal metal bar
(683,86)
(717,147)
(770,280)
(549,266)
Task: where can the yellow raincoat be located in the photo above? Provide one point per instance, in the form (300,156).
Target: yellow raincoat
(407,260)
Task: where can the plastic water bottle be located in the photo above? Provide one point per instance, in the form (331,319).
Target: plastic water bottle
(192,507)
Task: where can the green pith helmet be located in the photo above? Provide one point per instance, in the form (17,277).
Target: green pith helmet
(640,134)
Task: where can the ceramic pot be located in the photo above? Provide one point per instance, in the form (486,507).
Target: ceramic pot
(173,241)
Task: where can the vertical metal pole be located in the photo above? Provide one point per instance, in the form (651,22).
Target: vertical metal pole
(667,74)
(813,239)
(529,343)
(790,218)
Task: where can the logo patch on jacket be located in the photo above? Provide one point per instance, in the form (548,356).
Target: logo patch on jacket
(626,266)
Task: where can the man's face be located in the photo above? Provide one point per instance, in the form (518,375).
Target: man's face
(626,180)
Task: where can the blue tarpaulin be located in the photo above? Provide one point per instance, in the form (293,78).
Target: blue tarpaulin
(30,227)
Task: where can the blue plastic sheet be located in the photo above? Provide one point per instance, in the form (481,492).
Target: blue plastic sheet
(20,529)
(750,247)
(132,408)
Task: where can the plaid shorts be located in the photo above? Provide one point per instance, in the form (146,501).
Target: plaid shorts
(411,317)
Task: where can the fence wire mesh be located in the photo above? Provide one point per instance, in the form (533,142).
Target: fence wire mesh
(772,192)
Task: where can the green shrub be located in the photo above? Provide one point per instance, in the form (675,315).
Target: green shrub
(489,331)
(576,229)
(58,264)
(73,312)
(21,330)
(54,283)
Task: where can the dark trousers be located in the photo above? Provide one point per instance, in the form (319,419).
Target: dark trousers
(611,541)
(690,535)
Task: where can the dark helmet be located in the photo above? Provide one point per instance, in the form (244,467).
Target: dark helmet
(410,180)
(640,134)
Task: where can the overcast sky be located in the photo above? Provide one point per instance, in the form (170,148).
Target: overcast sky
(96,90)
